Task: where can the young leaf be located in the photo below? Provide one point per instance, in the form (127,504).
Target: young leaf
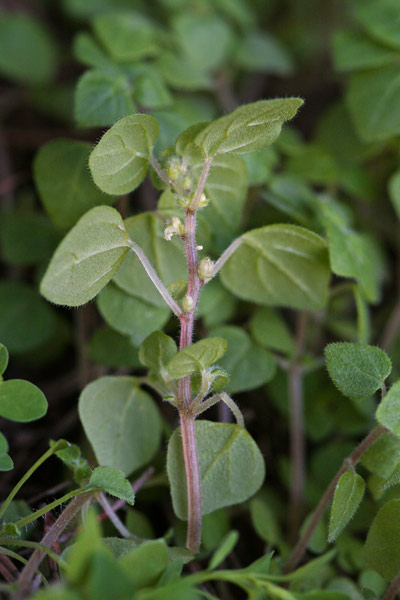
(71,457)
(265,521)
(224,549)
(269,330)
(3,359)
(261,52)
(128,36)
(119,161)
(388,412)
(248,128)
(196,357)
(357,370)
(146,563)
(231,467)
(113,482)
(348,495)
(382,550)
(121,422)
(21,401)
(382,457)
(102,97)
(157,350)
(284,265)
(87,258)
(60,170)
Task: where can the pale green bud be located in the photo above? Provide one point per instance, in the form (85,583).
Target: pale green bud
(188,303)
(174,227)
(187,182)
(206,269)
(174,169)
(203,201)
(184,201)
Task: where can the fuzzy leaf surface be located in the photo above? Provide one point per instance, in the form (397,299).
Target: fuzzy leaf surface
(121,422)
(157,350)
(231,467)
(248,128)
(196,357)
(113,482)
(87,258)
(284,265)
(388,412)
(382,550)
(119,161)
(357,370)
(349,492)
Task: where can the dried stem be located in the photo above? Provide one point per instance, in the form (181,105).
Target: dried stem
(297,438)
(349,462)
(48,540)
(392,590)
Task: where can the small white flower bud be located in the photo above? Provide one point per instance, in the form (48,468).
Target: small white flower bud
(203,201)
(206,269)
(188,303)
(174,227)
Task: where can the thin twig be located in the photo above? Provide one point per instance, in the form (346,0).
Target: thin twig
(226,255)
(318,513)
(392,590)
(114,518)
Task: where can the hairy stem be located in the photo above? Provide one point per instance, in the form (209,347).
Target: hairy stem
(297,438)
(173,305)
(349,462)
(392,590)
(48,540)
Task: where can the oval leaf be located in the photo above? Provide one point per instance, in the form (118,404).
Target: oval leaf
(119,161)
(284,265)
(113,482)
(157,350)
(382,548)
(348,495)
(231,467)
(3,359)
(388,413)
(196,357)
(357,370)
(21,401)
(248,128)
(121,422)
(87,258)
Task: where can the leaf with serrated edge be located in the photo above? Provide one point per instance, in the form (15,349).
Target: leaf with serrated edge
(87,258)
(348,495)
(196,357)
(113,482)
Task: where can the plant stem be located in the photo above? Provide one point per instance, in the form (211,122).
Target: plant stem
(392,590)
(297,438)
(226,255)
(350,461)
(48,540)
(25,477)
(174,306)
(36,545)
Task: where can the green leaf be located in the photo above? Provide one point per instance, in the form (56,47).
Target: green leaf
(89,53)
(394,192)
(349,492)
(293,197)
(264,521)
(146,563)
(216,304)
(180,72)
(357,370)
(382,457)
(61,171)
(388,412)
(26,320)
(373,99)
(157,350)
(3,358)
(27,52)
(102,97)
(129,315)
(128,36)
(206,40)
(121,422)
(261,52)
(224,549)
(21,401)
(284,265)
(269,330)
(113,482)
(26,238)
(231,467)
(196,357)
(151,91)
(248,128)
(168,259)
(248,365)
(119,161)
(353,50)
(71,457)
(123,354)
(382,550)
(381,21)
(87,258)
(6,462)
